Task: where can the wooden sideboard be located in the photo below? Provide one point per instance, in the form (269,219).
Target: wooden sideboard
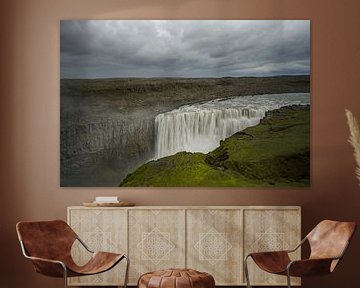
(212,239)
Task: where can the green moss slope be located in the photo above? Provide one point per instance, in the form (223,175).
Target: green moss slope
(275,153)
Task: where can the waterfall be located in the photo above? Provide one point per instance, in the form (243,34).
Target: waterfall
(201,126)
(200,131)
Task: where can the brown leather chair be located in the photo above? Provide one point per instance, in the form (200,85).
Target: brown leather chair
(328,242)
(48,245)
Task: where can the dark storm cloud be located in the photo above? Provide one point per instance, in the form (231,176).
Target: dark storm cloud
(124,48)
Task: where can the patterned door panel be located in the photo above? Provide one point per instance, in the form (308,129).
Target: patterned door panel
(157,240)
(270,230)
(100,230)
(214,241)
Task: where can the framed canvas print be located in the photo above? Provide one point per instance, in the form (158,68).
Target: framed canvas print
(154,103)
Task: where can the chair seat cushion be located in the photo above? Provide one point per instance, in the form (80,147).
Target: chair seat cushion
(176,278)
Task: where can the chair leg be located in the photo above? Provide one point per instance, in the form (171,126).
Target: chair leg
(246,270)
(288,278)
(127,271)
(65,276)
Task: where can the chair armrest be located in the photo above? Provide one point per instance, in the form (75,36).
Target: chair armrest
(298,246)
(83,244)
(45,260)
(268,254)
(280,251)
(48,267)
(309,267)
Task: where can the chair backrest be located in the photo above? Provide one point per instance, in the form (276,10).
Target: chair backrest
(329,239)
(46,239)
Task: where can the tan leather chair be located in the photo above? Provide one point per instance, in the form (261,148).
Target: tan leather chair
(328,242)
(48,245)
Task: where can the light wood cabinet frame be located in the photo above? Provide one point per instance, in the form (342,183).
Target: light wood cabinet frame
(213,239)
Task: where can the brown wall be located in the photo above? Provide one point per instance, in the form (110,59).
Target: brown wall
(29,118)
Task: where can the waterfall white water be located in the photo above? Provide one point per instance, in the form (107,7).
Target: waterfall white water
(201,126)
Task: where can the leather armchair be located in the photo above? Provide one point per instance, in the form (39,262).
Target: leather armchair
(328,243)
(48,245)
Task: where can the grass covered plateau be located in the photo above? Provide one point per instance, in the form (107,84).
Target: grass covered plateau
(275,153)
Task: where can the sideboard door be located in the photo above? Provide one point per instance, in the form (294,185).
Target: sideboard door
(214,244)
(156,240)
(270,230)
(101,230)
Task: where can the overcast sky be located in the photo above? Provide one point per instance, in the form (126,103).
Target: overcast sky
(144,48)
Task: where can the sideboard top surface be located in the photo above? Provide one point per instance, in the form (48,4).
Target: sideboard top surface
(193,207)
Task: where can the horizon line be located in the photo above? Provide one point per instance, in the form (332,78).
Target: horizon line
(184,77)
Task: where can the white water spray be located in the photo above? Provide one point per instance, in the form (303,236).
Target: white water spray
(201,126)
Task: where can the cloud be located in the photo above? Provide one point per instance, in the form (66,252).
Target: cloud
(184,48)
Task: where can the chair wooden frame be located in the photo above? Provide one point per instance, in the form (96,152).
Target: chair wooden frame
(315,265)
(58,268)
